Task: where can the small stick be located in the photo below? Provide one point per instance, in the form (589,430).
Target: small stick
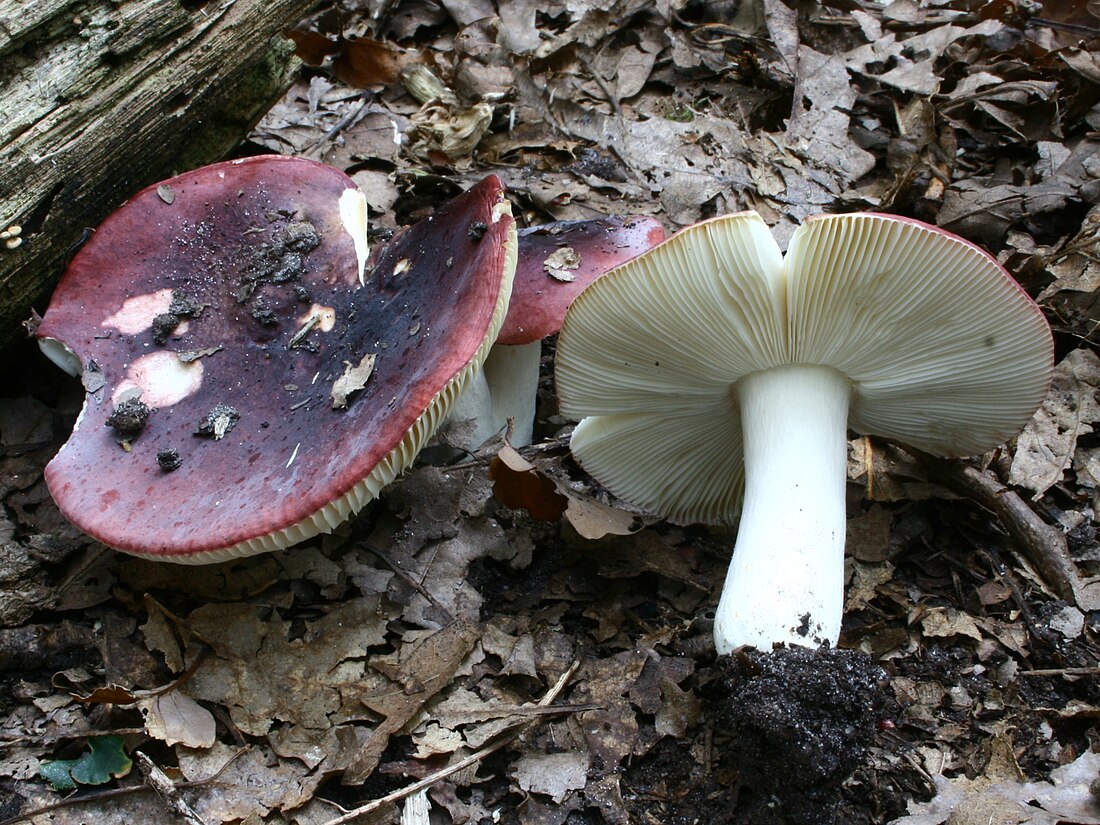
(1062,671)
(349,119)
(1044,544)
(166,789)
(406,577)
(612,98)
(465,762)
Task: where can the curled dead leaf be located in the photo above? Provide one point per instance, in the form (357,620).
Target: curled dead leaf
(176,718)
(593,519)
(1046,447)
(355,377)
(519,485)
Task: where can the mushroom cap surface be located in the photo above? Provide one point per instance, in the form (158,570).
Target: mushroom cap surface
(539,299)
(277,328)
(943,349)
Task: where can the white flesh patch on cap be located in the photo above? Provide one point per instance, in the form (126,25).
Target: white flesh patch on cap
(162,378)
(319,317)
(332,515)
(353,213)
(137,313)
(61,354)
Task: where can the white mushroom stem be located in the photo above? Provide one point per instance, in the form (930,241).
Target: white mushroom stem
(512,372)
(506,387)
(786,580)
(469,422)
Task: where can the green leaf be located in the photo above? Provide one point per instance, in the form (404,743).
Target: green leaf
(57,774)
(106,759)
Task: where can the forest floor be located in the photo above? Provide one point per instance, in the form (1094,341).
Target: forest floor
(568,664)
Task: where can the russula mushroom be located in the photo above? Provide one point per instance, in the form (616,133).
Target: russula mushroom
(556,262)
(286,383)
(713,365)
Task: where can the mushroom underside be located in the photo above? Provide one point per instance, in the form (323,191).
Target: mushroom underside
(663,361)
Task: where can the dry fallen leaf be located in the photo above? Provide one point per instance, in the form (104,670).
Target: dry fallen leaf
(985,800)
(919,76)
(176,718)
(367,63)
(560,261)
(552,774)
(288,684)
(866,581)
(425,669)
(249,783)
(355,377)
(1045,448)
(593,519)
(942,622)
(519,485)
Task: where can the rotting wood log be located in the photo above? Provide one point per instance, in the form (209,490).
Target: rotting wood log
(99,98)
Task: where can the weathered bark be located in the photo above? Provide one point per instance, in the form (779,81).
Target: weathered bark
(100,97)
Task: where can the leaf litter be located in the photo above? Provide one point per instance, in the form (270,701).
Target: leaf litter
(505,636)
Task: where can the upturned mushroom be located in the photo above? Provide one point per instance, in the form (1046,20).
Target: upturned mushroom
(556,262)
(280,383)
(713,376)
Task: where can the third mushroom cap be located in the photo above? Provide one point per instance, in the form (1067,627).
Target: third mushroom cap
(714,369)
(556,262)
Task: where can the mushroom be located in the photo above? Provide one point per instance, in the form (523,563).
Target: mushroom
(556,262)
(286,384)
(713,365)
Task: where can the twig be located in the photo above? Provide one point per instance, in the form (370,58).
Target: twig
(166,789)
(465,762)
(1062,671)
(612,98)
(1076,28)
(45,740)
(417,810)
(1009,580)
(72,801)
(349,119)
(547,446)
(927,777)
(407,577)
(1043,544)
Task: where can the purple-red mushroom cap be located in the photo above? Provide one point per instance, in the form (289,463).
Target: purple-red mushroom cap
(286,384)
(558,260)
